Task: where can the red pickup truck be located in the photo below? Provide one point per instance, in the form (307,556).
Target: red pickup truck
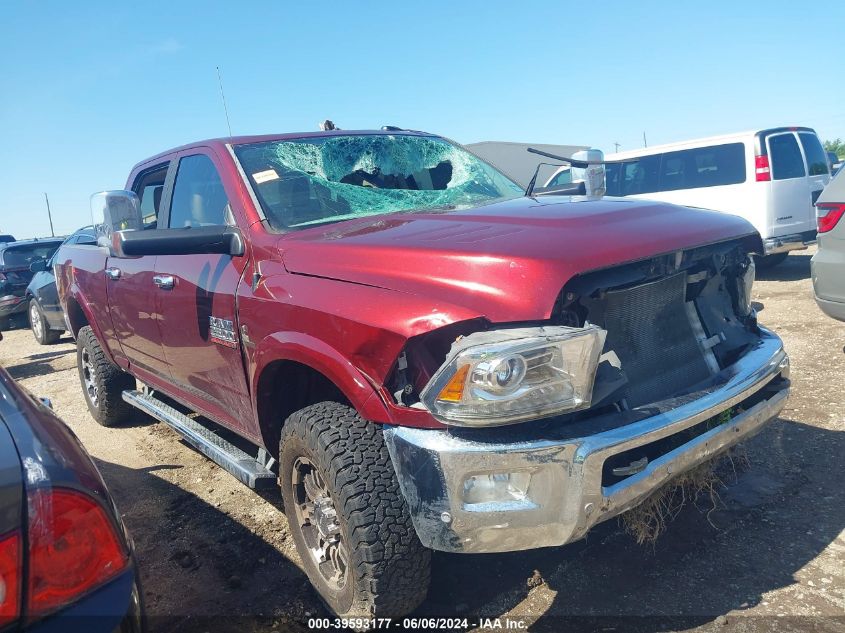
(422,356)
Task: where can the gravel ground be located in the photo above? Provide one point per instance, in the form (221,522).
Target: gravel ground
(216,556)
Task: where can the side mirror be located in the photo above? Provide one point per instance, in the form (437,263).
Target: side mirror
(38,266)
(206,240)
(115,211)
(593,176)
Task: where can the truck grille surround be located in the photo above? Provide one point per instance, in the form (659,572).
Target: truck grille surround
(652,332)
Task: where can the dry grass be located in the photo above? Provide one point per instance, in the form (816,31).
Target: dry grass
(699,486)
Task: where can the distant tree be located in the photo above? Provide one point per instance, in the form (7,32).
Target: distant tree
(836,146)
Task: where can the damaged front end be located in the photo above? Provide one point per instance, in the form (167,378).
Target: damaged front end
(636,363)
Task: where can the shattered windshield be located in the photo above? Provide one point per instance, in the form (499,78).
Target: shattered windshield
(310,181)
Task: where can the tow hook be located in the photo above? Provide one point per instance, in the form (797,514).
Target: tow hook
(631,469)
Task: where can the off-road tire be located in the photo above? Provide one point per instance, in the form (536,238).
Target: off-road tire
(106,405)
(39,326)
(770,261)
(389,568)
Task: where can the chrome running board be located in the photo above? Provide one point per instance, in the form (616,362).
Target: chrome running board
(244,467)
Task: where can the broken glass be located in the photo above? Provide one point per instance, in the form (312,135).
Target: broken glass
(314,180)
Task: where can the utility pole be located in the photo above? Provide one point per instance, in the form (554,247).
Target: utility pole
(49,215)
(616,146)
(645,143)
(223,98)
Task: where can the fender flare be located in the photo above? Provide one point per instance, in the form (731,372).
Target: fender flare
(321,357)
(76,295)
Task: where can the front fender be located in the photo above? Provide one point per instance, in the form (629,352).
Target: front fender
(318,355)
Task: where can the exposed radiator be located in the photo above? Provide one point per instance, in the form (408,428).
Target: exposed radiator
(654,335)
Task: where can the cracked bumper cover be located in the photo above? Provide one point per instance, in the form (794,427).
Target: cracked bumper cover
(566,495)
(12,304)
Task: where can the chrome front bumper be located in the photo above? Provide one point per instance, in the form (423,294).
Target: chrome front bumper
(566,495)
(786,243)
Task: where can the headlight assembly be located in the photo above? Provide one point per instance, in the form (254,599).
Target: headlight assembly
(505,376)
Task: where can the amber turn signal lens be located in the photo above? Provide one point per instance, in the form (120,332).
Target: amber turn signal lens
(454,389)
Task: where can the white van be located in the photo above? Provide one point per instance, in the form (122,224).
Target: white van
(772,178)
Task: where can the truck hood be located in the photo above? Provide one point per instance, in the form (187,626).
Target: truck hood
(508,260)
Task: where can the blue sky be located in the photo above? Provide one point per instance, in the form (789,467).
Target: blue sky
(87,89)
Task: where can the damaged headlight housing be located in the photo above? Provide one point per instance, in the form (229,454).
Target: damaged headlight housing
(506,376)
(744,283)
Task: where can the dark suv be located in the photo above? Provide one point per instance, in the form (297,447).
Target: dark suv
(46,318)
(15,274)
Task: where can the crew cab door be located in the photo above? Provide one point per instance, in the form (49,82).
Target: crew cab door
(198,291)
(132,294)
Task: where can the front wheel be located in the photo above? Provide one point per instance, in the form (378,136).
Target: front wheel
(348,518)
(39,326)
(103,382)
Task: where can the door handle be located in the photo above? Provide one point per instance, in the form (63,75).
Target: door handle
(165,282)
(113,273)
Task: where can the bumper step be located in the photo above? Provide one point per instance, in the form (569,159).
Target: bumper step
(243,466)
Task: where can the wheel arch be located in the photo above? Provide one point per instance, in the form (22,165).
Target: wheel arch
(294,370)
(78,315)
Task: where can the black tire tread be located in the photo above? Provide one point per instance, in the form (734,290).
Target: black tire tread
(391,567)
(111,381)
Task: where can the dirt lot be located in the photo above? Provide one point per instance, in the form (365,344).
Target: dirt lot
(771,557)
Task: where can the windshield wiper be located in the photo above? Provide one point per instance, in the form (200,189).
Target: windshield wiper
(530,188)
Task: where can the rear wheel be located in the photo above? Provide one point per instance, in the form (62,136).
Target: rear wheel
(103,382)
(770,261)
(349,520)
(38,324)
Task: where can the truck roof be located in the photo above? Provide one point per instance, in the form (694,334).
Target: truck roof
(221,142)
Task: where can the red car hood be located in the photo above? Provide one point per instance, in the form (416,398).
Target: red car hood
(507,260)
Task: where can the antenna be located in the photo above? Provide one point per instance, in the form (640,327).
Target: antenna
(49,215)
(223,98)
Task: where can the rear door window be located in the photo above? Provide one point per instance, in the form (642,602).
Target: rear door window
(83,238)
(785,157)
(814,152)
(199,198)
